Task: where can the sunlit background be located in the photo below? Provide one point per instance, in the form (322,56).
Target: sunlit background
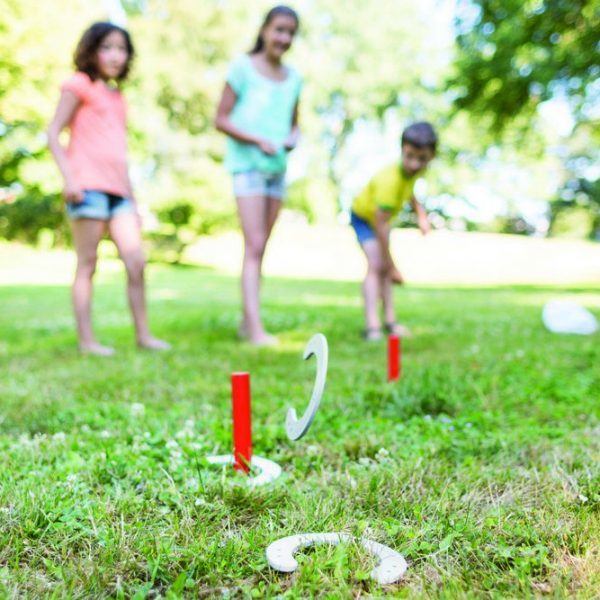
(512,90)
(480,465)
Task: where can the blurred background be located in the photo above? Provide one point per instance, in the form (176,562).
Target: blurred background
(512,87)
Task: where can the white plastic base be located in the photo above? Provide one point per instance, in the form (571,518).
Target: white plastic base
(268,470)
(391,565)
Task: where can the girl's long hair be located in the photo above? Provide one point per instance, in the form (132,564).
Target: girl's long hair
(86,53)
(274,12)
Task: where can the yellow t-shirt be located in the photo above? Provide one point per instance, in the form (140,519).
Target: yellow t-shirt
(389,189)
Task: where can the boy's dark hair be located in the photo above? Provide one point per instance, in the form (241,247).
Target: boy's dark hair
(85,54)
(421,135)
(276,11)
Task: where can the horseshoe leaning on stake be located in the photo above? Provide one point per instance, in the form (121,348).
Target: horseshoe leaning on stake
(294,427)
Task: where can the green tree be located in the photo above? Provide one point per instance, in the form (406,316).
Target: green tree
(512,57)
(35,53)
(361,64)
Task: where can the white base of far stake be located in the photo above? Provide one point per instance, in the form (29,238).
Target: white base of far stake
(267,469)
(391,565)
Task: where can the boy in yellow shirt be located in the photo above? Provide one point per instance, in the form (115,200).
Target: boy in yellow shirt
(372,213)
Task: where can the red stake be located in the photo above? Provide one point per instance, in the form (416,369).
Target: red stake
(242,421)
(393,358)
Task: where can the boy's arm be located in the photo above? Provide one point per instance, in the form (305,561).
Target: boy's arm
(382,231)
(422,219)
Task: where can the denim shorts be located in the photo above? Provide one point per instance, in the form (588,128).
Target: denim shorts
(363,229)
(99,205)
(259,183)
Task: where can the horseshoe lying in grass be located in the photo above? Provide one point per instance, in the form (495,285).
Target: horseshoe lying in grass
(390,567)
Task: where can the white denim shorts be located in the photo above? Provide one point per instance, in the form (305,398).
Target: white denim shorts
(259,183)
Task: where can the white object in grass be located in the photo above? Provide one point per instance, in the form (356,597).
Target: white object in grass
(390,567)
(562,316)
(294,427)
(268,470)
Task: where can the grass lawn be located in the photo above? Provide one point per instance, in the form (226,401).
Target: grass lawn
(481,466)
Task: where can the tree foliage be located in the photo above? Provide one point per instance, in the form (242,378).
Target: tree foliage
(357,63)
(361,64)
(512,57)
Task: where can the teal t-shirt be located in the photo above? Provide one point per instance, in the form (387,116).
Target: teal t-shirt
(263,108)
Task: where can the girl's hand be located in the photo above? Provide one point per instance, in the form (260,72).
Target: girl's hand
(424,225)
(291,142)
(72,192)
(267,147)
(139,219)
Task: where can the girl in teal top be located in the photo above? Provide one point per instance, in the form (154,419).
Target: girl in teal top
(259,113)
(264,108)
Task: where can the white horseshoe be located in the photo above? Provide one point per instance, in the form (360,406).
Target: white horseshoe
(390,567)
(294,427)
(268,470)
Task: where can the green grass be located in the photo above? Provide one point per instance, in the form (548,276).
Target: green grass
(480,466)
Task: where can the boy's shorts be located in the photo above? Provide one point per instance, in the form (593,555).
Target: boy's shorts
(258,183)
(363,229)
(99,205)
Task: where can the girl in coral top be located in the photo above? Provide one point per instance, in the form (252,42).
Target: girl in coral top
(97,188)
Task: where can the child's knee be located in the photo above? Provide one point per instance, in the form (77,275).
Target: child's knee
(376,267)
(135,265)
(255,248)
(86,265)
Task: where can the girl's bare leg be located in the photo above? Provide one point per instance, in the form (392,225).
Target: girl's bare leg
(124,230)
(257,216)
(87,234)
